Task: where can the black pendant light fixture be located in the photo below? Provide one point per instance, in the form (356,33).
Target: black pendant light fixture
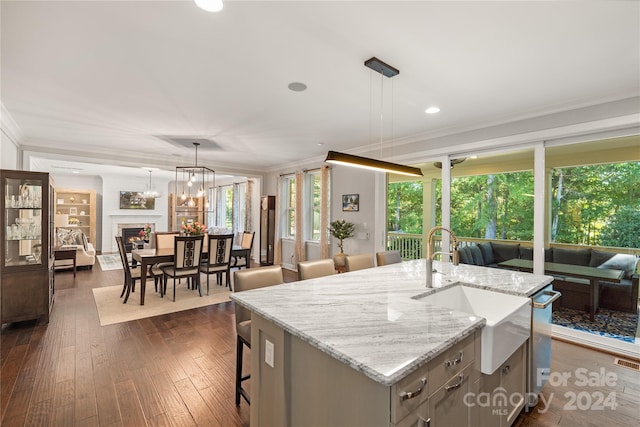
(364,162)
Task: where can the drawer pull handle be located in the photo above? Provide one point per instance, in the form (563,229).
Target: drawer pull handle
(406,395)
(454,362)
(457,385)
(506,370)
(423,423)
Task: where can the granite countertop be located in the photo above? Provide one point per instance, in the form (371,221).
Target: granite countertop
(369,319)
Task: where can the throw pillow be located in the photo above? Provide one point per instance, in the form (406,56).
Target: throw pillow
(476,253)
(65,237)
(465,255)
(85,242)
(614,262)
(487,253)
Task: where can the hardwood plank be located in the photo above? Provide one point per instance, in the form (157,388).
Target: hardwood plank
(130,407)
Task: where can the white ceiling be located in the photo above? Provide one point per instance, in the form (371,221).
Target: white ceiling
(111,79)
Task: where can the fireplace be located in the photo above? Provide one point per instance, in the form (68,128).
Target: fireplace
(131,233)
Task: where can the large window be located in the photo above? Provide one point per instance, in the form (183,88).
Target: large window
(289,193)
(313,190)
(597,205)
(231,206)
(494,206)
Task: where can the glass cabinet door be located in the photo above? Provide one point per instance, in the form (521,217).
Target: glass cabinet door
(23,222)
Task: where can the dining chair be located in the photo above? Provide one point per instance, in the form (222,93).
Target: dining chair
(161,240)
(246,243)
(244,280)
(358,262)
(187,251)
(130,274)
(315,268)
(219,259)
(388,257)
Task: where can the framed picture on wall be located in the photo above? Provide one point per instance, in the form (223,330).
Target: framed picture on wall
(136,200)
(350,202)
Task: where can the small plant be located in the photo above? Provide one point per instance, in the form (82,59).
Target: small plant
(341,229)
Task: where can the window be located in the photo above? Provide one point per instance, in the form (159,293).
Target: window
(289,197)
(313,190)
(596,205)
(240,206)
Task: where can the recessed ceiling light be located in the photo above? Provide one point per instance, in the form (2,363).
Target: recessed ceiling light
(432,110)
(320,144)
(297,87)
(210,5)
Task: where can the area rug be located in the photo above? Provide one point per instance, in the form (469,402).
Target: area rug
(111,309)
(607,323)
(109,262)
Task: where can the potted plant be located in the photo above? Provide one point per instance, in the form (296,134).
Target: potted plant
(341,229)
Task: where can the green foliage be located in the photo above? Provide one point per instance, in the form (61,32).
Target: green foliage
(341,229)
(591,205)
(404,207)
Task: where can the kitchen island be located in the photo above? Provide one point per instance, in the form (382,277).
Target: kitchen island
(339,349)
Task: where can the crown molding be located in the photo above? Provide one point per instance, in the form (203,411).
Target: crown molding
(9,127)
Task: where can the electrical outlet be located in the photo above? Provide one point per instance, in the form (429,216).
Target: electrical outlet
(268,353)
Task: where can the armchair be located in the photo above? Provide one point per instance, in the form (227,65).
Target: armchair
(85,251)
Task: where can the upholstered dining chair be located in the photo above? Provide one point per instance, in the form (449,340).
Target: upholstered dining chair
(315,268)
(130,274)
(187,252)
(161,240)
(358,262)
(245,243)
(244,280)
(388,257)
(219,259)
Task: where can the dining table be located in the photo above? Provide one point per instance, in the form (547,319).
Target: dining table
(148,257)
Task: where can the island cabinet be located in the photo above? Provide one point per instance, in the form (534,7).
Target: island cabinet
(497,399)
(293,383)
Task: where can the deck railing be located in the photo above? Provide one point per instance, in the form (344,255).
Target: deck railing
(410,245)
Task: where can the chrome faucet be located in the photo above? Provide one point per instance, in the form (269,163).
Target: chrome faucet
(455,257)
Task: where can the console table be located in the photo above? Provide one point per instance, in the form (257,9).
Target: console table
(66,253)
(593,274)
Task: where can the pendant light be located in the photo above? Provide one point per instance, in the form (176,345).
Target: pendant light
(364,162)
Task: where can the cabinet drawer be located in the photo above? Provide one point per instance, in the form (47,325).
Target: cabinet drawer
(409,393)
(450,362)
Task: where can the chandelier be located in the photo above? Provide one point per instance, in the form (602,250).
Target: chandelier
(195,185)
(150,192)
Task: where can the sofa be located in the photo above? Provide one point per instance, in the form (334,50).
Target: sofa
(85,252)
(621,296)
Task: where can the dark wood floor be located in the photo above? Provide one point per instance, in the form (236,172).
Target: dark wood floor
(178,369)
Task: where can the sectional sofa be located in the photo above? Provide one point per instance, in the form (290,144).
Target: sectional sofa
(621,296)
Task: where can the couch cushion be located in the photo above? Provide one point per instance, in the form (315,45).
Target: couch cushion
(526,253)
(487,253)
(465,255)
(572,256)
(476,254)
(505,251)
(614,261)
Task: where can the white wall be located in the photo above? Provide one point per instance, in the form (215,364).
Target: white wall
(348,180)
(113,215)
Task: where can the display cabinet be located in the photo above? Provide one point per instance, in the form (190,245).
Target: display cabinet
(267,229)
(26,278)
(76,209)
(191,209)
